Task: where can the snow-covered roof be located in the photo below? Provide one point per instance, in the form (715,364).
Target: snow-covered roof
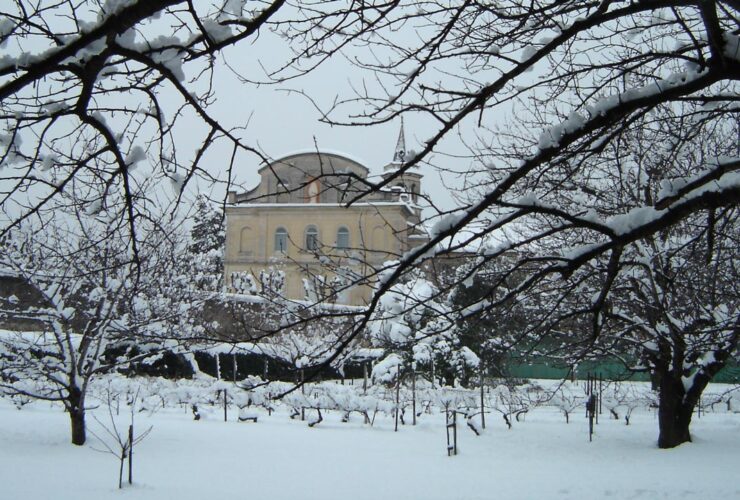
(7,273)
(256,299)
(323,152)
(307,205)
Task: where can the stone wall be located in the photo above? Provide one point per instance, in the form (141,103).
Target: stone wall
(16,297)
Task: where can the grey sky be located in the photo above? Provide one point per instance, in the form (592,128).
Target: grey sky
(281,121)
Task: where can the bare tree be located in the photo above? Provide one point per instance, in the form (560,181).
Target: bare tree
(99,308)
(545,184)
(578,101)
(99,94)
(678,314)
(119,443)
(596,130)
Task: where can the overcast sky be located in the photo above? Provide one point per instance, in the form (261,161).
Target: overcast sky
(281,121)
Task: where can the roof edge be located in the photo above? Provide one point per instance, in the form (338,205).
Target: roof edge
(324,152)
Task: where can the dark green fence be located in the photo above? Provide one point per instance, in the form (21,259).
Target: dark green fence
(609,370)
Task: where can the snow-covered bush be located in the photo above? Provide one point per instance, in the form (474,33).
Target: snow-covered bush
(567,399)
(413,321)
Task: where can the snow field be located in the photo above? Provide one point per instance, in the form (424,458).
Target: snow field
(279,458)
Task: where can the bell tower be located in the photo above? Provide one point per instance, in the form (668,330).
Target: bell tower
(406,186)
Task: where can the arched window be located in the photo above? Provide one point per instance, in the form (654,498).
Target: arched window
(313,191)
(312,238)
(342,237)
(281,240)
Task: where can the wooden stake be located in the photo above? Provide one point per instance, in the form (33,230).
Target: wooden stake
(451,426)
(124,452)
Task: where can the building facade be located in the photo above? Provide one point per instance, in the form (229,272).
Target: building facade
(310,225)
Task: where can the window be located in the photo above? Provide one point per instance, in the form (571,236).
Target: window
(281,240)
(313,191)
(342,237)
(312,238)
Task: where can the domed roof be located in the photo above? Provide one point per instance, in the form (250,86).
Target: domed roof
(316,163)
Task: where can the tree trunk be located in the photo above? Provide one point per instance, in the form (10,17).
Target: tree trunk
(77,416)
(674,413)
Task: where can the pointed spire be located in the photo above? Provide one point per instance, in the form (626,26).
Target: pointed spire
(399,155)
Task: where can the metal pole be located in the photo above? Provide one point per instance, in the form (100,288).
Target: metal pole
(413,392)
(482,395)
(454,429)
(596,402)
(303,391)
(130,453)
(398,392)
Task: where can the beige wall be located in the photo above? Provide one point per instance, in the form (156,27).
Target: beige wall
(377,233)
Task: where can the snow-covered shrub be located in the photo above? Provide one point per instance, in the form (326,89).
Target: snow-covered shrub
(567,399)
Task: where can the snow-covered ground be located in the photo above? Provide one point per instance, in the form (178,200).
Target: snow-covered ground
(279,458)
